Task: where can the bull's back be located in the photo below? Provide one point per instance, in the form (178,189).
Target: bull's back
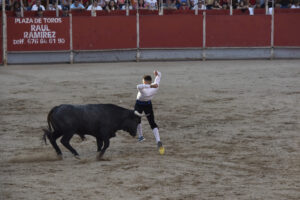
(86,118)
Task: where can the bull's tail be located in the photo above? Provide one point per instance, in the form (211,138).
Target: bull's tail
(48,132)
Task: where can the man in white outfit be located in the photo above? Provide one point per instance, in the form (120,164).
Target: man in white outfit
(146,92)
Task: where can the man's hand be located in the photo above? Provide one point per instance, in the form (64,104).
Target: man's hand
(155,73)
(154,86)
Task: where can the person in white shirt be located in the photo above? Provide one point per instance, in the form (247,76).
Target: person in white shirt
(94,6)
(146,92)
(37,5)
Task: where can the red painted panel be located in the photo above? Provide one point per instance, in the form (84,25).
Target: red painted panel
(287,30)
(38,34)
(171,31)
(238,31)
(104,32)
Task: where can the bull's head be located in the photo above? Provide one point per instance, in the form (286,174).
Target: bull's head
(131,122)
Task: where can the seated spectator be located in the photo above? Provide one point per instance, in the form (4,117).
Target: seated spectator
(151,4)
(242,6)
(216,5)
(40,12)
(142,4)
(102,3)
(225,4)
(65,11)
(18,12)
(201,5)
(209,4)
(30,3)
(16,6)
(295,4)
(111,6)
(170,5)
(94,6)
(184,6)
(77,5)
(66,3)
(285,3)
(37,5)
(53,5)
(121,4)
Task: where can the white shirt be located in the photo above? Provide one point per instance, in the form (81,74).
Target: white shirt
(34,7)
(145,93)
(93,7)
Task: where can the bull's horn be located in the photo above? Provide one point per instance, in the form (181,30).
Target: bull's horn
(138,114)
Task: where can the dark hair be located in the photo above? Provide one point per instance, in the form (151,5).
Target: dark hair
(147,78)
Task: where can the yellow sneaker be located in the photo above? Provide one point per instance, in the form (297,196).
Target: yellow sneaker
(161,149)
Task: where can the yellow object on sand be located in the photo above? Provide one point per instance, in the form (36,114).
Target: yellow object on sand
(161,150)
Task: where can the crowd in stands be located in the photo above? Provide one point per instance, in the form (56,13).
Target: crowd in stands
(111,5)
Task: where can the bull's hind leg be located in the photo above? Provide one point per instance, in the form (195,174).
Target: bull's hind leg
(65,140)
(52,137)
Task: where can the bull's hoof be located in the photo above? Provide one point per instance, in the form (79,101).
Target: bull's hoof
(77,157)
(59,157)
(100,157)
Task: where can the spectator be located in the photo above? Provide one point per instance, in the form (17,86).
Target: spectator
(216,5)
(184,6)
(52,5)
(209,4)
(86,3)
(111,6)
(201,5)
(37,5)
(77,5)
(285,3)
(101,3)
(142,4)
(170,5)
(151,4)
(94,6)
(243,6)
(40,12)
(225,4)
(66,3)
(295,4)
(30,3)
(18,12)
(65,11)
(121,4)
(16,6)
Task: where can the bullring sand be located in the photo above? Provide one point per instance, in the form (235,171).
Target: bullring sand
(230,128)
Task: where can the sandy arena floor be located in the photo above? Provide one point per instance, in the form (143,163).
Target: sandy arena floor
(231,130)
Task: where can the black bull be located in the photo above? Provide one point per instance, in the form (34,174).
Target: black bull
(99,120)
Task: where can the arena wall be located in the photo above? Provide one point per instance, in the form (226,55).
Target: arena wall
(177,35)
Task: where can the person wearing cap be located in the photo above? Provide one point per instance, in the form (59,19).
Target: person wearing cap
(146,92)
(37,5)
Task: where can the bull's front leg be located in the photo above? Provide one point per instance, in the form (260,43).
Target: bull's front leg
(102,151)
(99,144)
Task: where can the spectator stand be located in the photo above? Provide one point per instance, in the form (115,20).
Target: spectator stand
(151,35)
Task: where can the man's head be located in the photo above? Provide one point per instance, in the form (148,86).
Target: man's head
(147,79)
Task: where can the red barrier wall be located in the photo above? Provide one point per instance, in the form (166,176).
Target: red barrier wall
(171,31)
(238,31)
(105,32)
(38,34)
(287,30)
